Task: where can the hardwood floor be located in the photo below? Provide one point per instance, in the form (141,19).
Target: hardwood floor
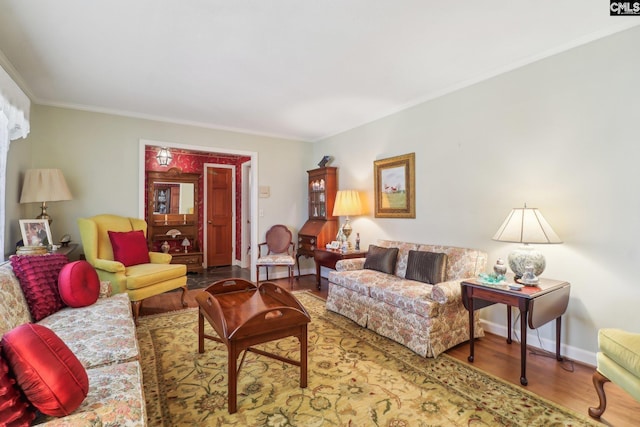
(566,383)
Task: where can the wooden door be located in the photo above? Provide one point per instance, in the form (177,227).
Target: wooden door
(219,216)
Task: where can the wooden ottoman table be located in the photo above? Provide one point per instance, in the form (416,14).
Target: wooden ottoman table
(243,315)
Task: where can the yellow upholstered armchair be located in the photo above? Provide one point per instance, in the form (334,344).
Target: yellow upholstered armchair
(619,362)
(140,281)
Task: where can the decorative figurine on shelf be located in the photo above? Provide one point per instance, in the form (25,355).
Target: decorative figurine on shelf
(324,161)
(186,243)
(500,268)
(165,247)
(357,241)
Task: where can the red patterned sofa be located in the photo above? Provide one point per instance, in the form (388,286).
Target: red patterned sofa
(427,318)
(102,336)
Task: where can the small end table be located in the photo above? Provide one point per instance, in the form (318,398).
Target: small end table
(329,257)
(537,304)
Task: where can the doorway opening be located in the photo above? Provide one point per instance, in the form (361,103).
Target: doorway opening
(191,158)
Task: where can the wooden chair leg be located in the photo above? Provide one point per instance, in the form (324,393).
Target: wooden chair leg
(291,277)
(257,274)
(184,293)
(598,382)
(135,307)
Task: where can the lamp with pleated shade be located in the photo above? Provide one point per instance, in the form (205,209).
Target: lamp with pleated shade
(42,186)
(347,203)
(526,225)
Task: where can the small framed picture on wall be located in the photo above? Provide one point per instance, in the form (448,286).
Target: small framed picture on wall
(35,232)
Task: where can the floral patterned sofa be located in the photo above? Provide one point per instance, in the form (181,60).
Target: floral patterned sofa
(103,338)
(427,318)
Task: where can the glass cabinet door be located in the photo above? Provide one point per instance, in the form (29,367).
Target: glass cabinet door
(317,199)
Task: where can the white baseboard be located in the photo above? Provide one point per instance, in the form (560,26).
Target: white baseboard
(573,353)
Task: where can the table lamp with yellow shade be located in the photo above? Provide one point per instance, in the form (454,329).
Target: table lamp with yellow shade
(347,203)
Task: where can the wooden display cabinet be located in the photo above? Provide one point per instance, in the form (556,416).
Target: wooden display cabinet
(321,227)
(172,216)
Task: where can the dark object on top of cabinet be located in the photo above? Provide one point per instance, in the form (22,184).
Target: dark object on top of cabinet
(324,161)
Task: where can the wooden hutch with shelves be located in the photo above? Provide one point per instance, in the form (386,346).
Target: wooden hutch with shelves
(321,227)
(172,216)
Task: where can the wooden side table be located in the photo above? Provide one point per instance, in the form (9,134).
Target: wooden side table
(66,250)
(537,304)
(329,257)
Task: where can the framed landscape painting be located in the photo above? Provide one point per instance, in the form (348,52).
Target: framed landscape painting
(35,232)
(395,187)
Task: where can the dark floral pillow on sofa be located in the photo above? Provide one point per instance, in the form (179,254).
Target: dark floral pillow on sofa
(381,259)
(427,267)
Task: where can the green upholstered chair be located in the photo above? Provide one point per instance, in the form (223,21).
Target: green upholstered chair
(619,362)
(139,281)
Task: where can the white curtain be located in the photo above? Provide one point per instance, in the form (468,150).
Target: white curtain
(14,124)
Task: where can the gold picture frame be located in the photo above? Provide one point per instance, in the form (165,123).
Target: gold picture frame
(395,187)
(35,232)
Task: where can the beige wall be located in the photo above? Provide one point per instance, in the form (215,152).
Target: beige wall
(99,155)
(561,135)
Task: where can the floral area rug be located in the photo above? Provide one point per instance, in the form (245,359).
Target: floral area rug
(355,378)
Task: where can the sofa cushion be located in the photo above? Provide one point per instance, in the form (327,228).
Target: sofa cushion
(115,399)
(129,247)
(427,267)
(100,334)
(78,284)
(381,259)
(48,373)
(408,295)
(38,277)
(14,407)
(143,275)
(360,281)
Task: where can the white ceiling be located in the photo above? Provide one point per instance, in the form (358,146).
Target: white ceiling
(301,69)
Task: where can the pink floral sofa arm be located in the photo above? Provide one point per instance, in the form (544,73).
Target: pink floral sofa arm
(446,292)
(350,264)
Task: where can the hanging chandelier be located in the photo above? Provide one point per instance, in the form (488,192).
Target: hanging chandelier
(164,157)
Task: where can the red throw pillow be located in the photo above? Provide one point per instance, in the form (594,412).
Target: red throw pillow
(78,284)
(129,248)
(14,407)
(49,374)
(38,277)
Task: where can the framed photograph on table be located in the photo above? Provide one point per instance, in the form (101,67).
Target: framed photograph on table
(395,187)
(35,232)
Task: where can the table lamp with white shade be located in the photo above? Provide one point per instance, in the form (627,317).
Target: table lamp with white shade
(42,186)
(347,203)
(528,226)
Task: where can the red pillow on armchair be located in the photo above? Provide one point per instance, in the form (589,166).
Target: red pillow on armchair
(130,247)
